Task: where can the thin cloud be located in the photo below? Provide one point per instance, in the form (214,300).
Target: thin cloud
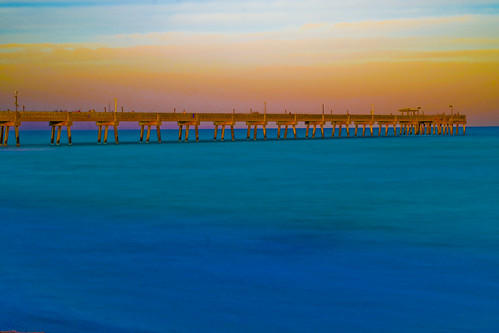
(68,21)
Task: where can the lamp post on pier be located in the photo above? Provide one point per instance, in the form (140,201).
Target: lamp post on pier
(16,95)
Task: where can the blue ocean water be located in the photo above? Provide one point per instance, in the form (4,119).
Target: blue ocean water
(395,234)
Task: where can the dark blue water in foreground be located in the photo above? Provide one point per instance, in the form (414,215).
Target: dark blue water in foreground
(345,235)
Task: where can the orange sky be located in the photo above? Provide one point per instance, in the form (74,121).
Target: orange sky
(424,61)
(159,78)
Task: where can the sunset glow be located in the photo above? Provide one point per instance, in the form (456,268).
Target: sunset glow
(208,56)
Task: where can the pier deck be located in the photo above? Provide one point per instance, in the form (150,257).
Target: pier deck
(406,124)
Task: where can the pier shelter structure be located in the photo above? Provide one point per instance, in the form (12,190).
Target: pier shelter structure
(408,122)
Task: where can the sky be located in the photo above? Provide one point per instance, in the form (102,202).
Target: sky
(216,56)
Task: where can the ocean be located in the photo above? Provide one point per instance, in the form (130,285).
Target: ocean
(381,234)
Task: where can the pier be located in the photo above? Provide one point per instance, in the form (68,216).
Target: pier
(406,122)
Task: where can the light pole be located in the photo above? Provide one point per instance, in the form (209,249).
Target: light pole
(16,94)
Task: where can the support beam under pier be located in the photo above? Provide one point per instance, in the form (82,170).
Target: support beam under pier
(187,124)
(57,136)
(106,125)
(149,125)
(223,124)
(256,124)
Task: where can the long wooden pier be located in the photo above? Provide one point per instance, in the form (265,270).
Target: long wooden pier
(407,122)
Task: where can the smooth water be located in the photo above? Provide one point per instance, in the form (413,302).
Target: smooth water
(396,234)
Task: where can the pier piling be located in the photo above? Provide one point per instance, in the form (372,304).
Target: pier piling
(148,135)
(70,139)
(59,129)
(99,135)
(106,129)
(6,139)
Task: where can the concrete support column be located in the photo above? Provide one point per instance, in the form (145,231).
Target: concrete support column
(70,140)
(285,131)
(196,130)
(254,132)
(148,135)
(334,130)
(264,132)
(16,129)
(223,133)
(99,134)
(158,129)
(6,137)
(232,132)
(294,130)
(58,141)
(106,130)
(141,133)
(186,133)
(313,131)
(306,132)
(52,135)
(339,131)
(116,134)
(179,132)
(1,135)
(278,131)
(216,132)
(322,131)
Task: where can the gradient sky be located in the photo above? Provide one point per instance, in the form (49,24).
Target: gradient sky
(219,55)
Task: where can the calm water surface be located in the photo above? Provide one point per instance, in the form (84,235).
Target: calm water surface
(345,235)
